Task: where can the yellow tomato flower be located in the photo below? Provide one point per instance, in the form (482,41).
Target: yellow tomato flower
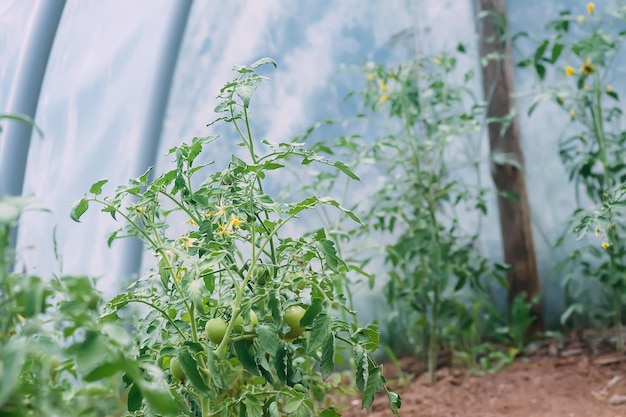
(588,67)
(572,113)
(235,223)
(384,98)
(437,61)
(586,86)
(224,230)
(371,76)
(597,232)
(383,86)
(191,222)
(580,19)
(181,272)
(569,70)
(591,7)
(188,242)
(608,88)
(605,245)
(221,210)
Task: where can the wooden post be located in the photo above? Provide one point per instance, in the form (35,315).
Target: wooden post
(506,154)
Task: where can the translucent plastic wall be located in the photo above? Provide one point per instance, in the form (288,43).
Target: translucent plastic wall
(106,71)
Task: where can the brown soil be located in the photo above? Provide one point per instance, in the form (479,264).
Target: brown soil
(573,379)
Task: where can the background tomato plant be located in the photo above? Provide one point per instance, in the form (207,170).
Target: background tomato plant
(235,263)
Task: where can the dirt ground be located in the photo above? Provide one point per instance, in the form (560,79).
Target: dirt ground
(584,377)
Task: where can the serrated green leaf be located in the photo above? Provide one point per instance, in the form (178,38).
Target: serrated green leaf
(103,371)
(293,405)
(317,304)
(375,382)
(78,209)
(12,356)
(331,259)
(246,88)
(320,332)
(96,187)
(190,368)
(329,412)
(282,363)
(263,61)
(160,399)
(214,369)
(196,292)
(362,367)
(134,400)
(395,402)
(346,170)
(328,357)
(268,338)
(245,354)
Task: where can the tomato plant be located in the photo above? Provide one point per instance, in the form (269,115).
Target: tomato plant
(232,271)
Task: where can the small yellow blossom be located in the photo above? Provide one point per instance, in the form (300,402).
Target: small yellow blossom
(383,86)
(572,113)
(371,76)
(235,223)
(569,70)
(597,232)
(181,272)
(221,210)
(140,210)
(580,19)
(608,88)
(191,222)
(224,230)
(588,67)
(188,242)
(605,245)
(586,86)
(437,61)
(384,98)
(591,7)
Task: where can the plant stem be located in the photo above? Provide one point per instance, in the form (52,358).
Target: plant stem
(617,306)
(432,348)
(204,404)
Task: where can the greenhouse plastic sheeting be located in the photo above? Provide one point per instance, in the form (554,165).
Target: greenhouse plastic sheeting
(100,75)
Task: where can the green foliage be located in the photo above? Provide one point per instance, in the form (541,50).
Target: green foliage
(51,340)
(583,49)
(233,262)
(434,259)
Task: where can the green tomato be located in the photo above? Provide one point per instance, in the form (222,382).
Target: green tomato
(228,178)
(239,321)
(176,370)
(216,329)
(299,277)
(293,315)
(262,273)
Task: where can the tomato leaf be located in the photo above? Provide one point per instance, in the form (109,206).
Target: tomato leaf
(245,354)
(134,398)
(96,187)
(320,332)
(263,61)
(159,398)
(362,368)
(375,382)
(394,402)
(78,209)
(328,357)
(314,309)
(190,368)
